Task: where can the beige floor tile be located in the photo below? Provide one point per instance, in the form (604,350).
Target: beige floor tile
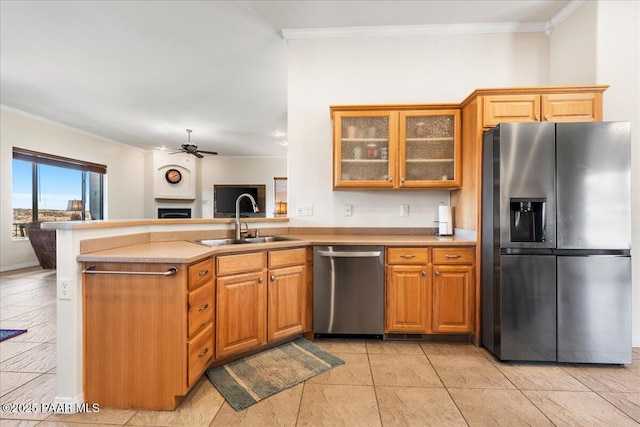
(13,311)
(278,410)
(39,391)
(16,298)
(634,366)
(47,314)
(103,416)
(449,349)
(605,378)
(636,352)
(338,405)
(38,301)
(341,346)
(198,408)
(42,332)
(403,370)
(393,347)
(38,359)
(18,423)
(578,408)
(469,372)
(10,348)
(497,407)
(9,381)
(531,376)
(47,423)
(629,403)
(355,371)
(413,406)
(13,324)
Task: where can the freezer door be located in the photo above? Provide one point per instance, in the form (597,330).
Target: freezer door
(528,308)
(594,309)
(527,171)
(594,185)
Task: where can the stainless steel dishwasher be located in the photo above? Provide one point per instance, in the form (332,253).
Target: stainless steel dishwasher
(348,291)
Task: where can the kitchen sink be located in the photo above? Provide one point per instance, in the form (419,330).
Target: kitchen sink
(222,242)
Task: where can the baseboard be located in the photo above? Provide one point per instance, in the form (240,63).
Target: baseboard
(18,266)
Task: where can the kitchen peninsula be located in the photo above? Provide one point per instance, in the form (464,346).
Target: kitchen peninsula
(157,245)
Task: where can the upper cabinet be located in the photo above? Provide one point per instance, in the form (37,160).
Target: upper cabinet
(396,147)
(577,106)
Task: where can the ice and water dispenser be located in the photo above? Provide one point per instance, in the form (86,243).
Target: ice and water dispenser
(527,219)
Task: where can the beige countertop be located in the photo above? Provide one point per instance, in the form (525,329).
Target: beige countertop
(186,252)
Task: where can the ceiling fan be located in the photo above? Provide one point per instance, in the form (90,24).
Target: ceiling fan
(190,148)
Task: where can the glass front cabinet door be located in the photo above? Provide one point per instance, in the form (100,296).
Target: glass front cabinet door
(393,149)
(429,149)
(365,149)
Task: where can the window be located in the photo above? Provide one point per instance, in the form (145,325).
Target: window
(53,188)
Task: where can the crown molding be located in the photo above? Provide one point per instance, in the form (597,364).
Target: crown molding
(562,15)
(413,30)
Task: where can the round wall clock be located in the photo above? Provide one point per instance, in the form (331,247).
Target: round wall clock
(173,176)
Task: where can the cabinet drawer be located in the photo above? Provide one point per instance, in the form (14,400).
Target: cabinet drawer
(453,255)
(200,308)
(200,273)
(407,255)
(230,264)
(287,257)
(200,351)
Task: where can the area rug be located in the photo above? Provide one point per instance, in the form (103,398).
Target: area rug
(253,378)
(5,334)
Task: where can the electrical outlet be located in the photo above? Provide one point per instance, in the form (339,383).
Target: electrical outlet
(404,210)
(304,210)
(348,210)
(64,290)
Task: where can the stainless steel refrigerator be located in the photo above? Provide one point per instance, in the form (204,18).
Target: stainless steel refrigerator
(556,242)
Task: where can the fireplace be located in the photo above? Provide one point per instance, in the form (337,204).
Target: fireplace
(174,212)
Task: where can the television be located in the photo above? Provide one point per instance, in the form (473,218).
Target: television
(225,196)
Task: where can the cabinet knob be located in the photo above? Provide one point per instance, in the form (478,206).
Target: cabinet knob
(206,350)
(273,278)
(546,117)
(203,273)
(390,178)
(437,273)
(260,280)
(204,307)
(402,179)
(537,118)
(424,273)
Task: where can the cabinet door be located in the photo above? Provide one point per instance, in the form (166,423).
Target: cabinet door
(407,305)
(452,298)
(572,107)
(286,302)
(510,108)
(429,149)
(364,149)
(241,313)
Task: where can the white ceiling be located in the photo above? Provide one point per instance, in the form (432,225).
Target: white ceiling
(140,73)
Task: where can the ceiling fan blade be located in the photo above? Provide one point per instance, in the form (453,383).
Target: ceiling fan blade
(198,155)
(208,152)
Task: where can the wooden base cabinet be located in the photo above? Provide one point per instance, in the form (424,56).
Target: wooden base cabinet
(287,297)
(430,290)
(407,293)
(143,347)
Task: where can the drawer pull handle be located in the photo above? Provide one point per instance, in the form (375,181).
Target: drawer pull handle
(206,350)
(204,307)
(437,273)
(203,273)
(452,256)
(407,256)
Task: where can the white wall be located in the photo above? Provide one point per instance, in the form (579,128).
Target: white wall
(395,70)
(239,170)
(124,183)
(608,36)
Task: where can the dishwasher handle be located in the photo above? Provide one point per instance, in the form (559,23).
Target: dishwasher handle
(350,254)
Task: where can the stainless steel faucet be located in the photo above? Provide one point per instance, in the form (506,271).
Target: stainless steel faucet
(255,209)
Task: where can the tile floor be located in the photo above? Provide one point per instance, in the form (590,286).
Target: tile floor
(382,383)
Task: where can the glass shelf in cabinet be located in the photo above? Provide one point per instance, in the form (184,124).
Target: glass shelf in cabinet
(428,160)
